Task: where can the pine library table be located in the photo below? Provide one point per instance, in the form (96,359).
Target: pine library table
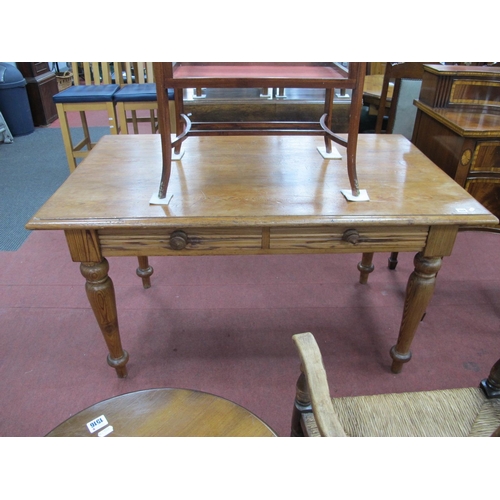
(234,195)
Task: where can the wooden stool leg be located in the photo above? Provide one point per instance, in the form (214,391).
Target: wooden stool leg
(101,295)
(122,117)
(87,141)
(134,122)
(112,120)
(144,271)
(152,120)
(66,135)
(419,291)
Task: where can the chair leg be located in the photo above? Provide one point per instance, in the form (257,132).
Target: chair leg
(301,405)
(491,385)
(86,133)
(152,121)
(66,136)
(134,122)
(122,117)
(113,122)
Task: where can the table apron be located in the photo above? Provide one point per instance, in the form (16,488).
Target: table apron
(260,240)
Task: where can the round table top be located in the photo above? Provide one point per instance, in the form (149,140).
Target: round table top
(164,413)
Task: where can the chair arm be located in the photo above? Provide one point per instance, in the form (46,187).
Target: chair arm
(314,371)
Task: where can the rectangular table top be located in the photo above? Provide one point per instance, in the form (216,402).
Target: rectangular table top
(256,180)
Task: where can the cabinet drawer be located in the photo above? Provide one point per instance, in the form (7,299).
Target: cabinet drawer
(338,239)
(486,157)
(149,242)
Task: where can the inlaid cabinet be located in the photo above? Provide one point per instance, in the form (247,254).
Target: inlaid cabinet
(458,127)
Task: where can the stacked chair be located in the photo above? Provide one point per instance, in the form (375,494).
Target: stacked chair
(137,93)
(93,89)
(473,411)
(126,91)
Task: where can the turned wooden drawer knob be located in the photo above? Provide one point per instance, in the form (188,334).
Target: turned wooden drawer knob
(178,240)
(351,236)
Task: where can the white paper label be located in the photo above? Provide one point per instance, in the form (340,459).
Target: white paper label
(97,423)
(106,431)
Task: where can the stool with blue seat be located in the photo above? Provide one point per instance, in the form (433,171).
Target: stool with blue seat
(94,94)
(134,97)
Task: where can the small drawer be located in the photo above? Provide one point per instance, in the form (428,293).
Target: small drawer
(486,157)
(190,241)
(342,239)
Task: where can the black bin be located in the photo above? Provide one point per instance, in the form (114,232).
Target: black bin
(14,103)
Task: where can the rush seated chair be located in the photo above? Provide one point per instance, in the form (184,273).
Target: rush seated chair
(91,91)
(465,412)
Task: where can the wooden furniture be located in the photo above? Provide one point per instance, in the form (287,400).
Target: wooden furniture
(375,68)
(179,76)
(372,91)
(137,94)
(395,73)
(164,413)
(41,85)
(93,92)
(465,412)
(257,195)
(458,127)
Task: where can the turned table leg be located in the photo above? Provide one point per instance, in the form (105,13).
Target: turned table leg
(392,261)
(365,267)
(419,291)
(101,295)
(144,271)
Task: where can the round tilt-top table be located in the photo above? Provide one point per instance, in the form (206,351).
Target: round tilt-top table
(164,413)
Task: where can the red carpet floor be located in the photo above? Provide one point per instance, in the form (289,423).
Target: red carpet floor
(224,324)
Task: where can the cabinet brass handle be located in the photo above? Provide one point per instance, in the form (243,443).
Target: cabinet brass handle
(178,240)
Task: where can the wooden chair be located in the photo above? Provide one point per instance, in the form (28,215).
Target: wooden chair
(91,91)
(452,412)
(398,73)
(138,93)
